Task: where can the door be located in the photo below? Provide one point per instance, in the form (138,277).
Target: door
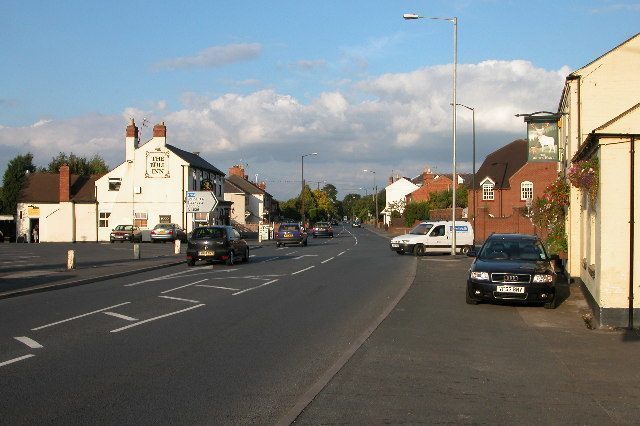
(438,240)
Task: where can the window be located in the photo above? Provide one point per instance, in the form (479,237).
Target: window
(103,219)
(140,219)
(487,191)
(526,190)
(114,184)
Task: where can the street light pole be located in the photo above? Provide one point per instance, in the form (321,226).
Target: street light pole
(302,191)
(453,20)
(473,176)
(375,188)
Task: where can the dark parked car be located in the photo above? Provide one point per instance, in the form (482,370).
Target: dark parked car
(222,243)
(512,267)
(291,233)
(126,233)
(322,229)
(168,232)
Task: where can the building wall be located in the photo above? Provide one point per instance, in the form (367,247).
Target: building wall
(397,192)
(238,206)
(59,222)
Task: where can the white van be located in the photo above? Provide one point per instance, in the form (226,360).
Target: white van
(434,237)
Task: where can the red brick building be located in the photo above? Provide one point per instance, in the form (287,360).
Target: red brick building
(430,183)
(503,183)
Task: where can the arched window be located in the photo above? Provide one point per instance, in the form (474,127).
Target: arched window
(487,190)
(526,190)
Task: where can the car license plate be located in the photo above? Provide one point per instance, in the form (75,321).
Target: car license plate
(288,235)
(205,253)
(395,245)
(509,289)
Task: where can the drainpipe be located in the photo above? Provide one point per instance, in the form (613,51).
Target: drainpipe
(631,228)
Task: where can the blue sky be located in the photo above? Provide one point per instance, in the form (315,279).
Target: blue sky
(261,82)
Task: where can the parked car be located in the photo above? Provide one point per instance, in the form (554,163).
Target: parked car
(168,232)
(291,233)
(126,233)
(356,224)
(216,243)
(322,229)
(512,267)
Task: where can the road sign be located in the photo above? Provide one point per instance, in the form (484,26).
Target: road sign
(201,201)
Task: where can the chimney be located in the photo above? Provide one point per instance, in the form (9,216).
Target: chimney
(160,131)
(131,141)
(262,185)
(238,170)
(64,183)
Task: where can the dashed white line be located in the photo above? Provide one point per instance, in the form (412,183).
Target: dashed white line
(302,270)
(304,255)
(269,260)
(253,288)
(183,286)
(180,299)
(11,361)
(29,342)
(79,316)
(156,318)
(328,260)
(218,287)
(341,253)
(117,315)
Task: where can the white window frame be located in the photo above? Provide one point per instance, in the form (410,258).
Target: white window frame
(103,219)
(488,189)
(526,190)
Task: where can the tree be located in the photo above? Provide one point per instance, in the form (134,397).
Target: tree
(418,210)
(77,165)
(14,178)
(331,191)
(325,205)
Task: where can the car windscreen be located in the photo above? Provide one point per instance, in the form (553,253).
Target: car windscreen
(213,233)
(421,229)
(289,228)
(123,228)
(322,225)
(513,250)
(163,226)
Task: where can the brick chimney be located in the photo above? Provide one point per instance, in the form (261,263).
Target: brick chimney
(160,131)
(238,170)
(64,183)
(131,141)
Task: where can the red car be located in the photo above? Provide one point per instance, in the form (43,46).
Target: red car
(126,233)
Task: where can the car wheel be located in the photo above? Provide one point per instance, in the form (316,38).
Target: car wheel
(550,305)
(231,259)
(470,300)
(191,262)
(246,255)
(419,250)
(465,250)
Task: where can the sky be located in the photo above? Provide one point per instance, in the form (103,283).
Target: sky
(261,83)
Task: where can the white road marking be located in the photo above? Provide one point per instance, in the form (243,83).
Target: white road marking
(219,288)
(341,253)
(156,318)
(304,255)
(182,286)
(328,260)
(253,288)
(11,361)
(29,342)
(79,316)
(117,315)
(269,260)
(180,299)
(164,277)
(302,270)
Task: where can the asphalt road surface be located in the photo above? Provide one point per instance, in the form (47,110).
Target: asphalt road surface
(250,343)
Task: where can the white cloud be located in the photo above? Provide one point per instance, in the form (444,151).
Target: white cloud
(399,122)
(213,57)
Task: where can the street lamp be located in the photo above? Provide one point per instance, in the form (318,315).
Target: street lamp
(454,20)
(473,177)
(375,188)
(504,173)
(302,192)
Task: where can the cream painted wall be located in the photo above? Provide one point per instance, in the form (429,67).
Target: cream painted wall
(57,221)
(238,206)
(396,192)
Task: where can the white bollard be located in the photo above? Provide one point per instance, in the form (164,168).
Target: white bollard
(177,247)
(136,251)
(71,259)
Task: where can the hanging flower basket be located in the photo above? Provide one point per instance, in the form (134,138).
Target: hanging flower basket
(549,213)
(585,175)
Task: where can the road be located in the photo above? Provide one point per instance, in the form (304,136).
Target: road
(251,343)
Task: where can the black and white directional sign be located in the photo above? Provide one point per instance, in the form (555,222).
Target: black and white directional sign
(201,201)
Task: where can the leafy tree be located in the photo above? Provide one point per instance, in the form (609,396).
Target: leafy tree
(325,205)
(77,165)
(331,191)
(14,178)
(418,210)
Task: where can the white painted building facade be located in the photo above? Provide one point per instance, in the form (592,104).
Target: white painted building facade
(395,194)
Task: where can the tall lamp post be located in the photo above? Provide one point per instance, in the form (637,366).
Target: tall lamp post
(473,177)
(454,20)
(302,191)
(504,174)
(375,188)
